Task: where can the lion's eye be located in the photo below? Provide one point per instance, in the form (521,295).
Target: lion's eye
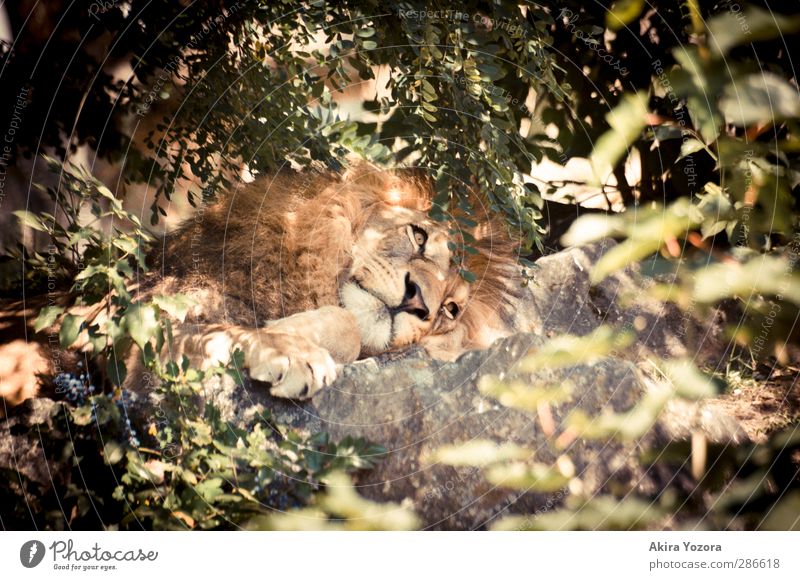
(450,310)
(418,237)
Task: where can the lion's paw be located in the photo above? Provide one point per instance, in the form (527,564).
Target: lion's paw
(295,367)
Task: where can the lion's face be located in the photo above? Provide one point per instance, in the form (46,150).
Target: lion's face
(401,285)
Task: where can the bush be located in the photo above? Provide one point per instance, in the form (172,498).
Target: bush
(475,96)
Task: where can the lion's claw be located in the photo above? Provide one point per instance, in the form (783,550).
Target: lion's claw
(295,367)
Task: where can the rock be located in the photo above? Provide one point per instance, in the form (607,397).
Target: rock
(413,405)
(21,450)
(35,465)
(562,300)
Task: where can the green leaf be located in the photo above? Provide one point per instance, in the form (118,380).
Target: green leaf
(521,394)
(210,488)
(113,452)
(759,98)
(536,477)
(90,271)
(626,121)
(764,275)
(627,426)
(623,255)
(71,327)
(342,501)
(235,366)
(47,316)
(754,24)
(696,81)
(690,146)
(647,232)
(126,244)
(467,275)
(600,512)
(783,515)
(176,306)
(428,92)
(689,382)
(478,452)
(427,116)
(105,192)
(141,322)
(712,228)
(623,12)
(428,107)
(105,410)
(116,369)
(591,227)
(31,220)
(83,415)
(568,350)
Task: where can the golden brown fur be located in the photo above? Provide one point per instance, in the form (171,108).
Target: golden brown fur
(339,252)
(305,270)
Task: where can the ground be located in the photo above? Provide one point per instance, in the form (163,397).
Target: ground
(763,404)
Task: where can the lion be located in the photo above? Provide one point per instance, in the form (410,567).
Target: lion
(302,271)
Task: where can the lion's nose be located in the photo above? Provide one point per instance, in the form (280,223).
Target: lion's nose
(413,302)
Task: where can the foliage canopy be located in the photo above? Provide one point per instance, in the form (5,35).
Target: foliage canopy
(182,96)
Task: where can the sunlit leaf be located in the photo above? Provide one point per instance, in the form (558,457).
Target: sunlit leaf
(83,415)
(31,220)
(759,98)
(522,395)
(623,12)
(627,426)
(765,275)
(365,32)
(598,513)
(688,381)
(141,322)
(695,80)
(71,326)
(591,227)
(177,305)
(342,501)
(47,316)
(210,488)
(646,234)
(568,350)
(691,146)
(479,452)
(626,121)
(113,452)
(126,244)
(535,477)
(752,24)
(105,192)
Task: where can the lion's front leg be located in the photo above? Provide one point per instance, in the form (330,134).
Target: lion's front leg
(331,327)
(294,367)
(296,355)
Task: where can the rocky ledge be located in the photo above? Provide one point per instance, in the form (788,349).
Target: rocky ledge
(413,405)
